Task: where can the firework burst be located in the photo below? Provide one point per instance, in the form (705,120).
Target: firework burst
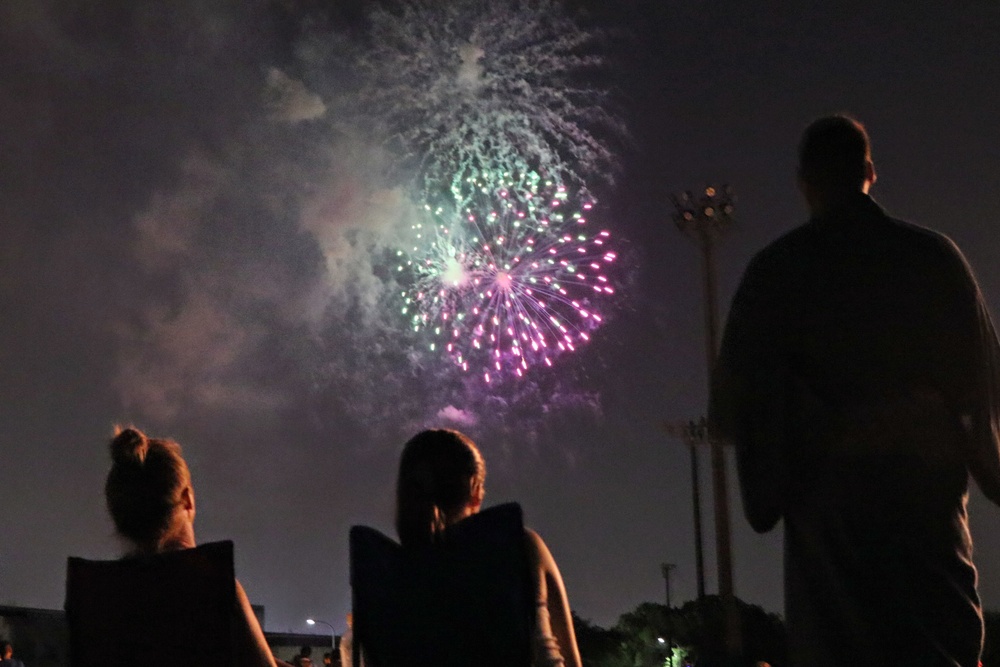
(510,281)
(468,88)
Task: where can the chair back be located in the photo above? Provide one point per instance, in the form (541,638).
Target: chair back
(169,609)
(464,601)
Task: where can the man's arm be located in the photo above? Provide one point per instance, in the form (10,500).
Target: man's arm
(746,406)
(980,416)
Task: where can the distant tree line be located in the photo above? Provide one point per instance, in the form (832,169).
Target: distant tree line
(695,634)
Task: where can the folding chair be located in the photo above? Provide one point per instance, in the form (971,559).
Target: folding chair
(464,601)
(171,609)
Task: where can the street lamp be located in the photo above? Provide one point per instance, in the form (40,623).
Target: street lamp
(333,630)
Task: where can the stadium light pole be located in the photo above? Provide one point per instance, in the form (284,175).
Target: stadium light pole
(704,219)
(693,433)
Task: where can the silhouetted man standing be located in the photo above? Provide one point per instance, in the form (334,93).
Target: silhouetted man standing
(858,379)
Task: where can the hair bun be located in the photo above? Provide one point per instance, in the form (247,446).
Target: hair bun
(129,447)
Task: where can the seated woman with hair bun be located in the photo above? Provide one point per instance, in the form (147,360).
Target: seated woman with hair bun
(151,500)
(441,481)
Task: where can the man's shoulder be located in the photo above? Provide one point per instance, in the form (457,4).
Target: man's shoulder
(787,249)
(929,247)
(819,236)
(792,239)
(930,238)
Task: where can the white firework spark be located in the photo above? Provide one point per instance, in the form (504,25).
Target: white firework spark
(469,88)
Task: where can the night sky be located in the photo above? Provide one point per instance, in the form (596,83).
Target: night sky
(175,255)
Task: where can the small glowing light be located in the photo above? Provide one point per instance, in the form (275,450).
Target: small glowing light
(454,273)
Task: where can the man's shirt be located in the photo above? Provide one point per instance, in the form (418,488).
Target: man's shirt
(858,379)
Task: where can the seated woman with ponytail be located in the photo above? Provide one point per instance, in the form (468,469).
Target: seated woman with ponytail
(439,493)
(151,500)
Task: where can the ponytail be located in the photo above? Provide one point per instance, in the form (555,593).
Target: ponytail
(419,521)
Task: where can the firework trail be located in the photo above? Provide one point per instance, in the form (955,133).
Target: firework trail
(466,90)
(510,281)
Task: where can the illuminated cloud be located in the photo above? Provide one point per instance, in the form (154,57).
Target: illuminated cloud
(457,416)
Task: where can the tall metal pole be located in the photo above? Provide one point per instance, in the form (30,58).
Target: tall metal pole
(705,219)
(666,568)
(720,486)
(694,433)
(699,540)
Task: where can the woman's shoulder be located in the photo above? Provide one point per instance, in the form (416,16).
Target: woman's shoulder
(533,540)
(538,551)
